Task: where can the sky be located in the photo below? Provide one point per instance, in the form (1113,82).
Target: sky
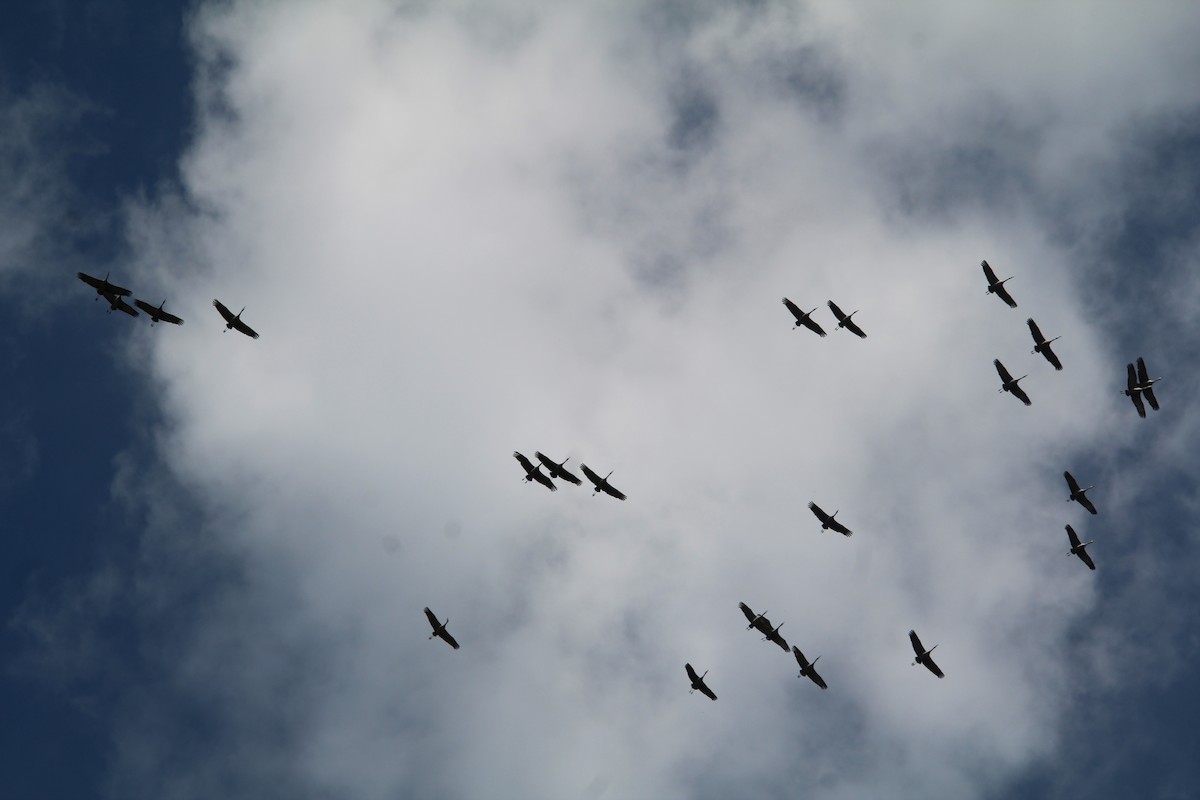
(468,228)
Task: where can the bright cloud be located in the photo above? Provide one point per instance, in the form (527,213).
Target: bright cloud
(569,229)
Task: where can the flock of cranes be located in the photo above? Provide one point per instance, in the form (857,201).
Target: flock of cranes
(115,295)
(1139,388)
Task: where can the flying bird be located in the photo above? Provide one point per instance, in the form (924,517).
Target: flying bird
(1078,494)
(763,626)
(556,469)
(234,321)
(923,656)
(1145,384)
(808,669)
(1133,391)
(533,473)
(845,321)
(439,629)
(996,286)
(1041,345)
(1080,548)
(157,314)
(103,287)
(828,521)
(698,682)
(804,318)
(1009,385)
(601,484)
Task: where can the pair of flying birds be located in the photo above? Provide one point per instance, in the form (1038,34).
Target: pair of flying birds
(115,295)
(805,318)
(558,470)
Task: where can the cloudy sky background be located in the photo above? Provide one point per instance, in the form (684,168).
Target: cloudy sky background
(464,229)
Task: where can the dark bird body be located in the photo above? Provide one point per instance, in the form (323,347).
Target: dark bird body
(234,321)
(556,469)
(157,314)
(439,629)
(1008,384)
(923,656)
(996,286)
(828,521)
(1080,548)
(698,684)
(1134,391)
(1145,384)
(1041,345)
(808,669)
(1077,494)
(804,318)
(845,321)
(534,473)
(601,484)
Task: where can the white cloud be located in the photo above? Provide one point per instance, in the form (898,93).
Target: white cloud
(460,238)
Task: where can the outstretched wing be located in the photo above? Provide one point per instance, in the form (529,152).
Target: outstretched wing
(989,274)
(223,311)
(591,476)
(95,283)
(691,673)
(525,462)
(1131,379)
(1085,558)
(778,639)
(543,479)
(812,325)
(1038,339)
(819,513)
(1019,393)
(1087,503)
(149,309)
(608,489)
(157,313)
(244,328)
(556,470)
(792,307)
(1072,484)
(748,612)
(450,640)
(918,648)
(1136,397)
(1003,294)
(432,619)
(837,312)
(1142,373)
(850,325)
(1148,392)
(1051,357)
(839,527)
(707,692)
(121,305)
(1073,537)
(1005,377)
(800,659)
(934,668)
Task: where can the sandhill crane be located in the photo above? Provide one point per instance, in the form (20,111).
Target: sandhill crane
(157,314)
(828,521)
(763,626)
(556,468)
(845,321)
(533,473)
(439,629)
(804,318)
(996,286)
(1145,384)
(601,484)
(1133,391)
(808,669)
(1080,548)
(234,321)
(698,682)
(1078,494)
(923,656)
(1009,385)
(1042,345)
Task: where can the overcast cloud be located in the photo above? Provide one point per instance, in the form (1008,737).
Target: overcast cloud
(466,229)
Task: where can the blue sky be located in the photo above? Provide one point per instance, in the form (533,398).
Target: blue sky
(468,229)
